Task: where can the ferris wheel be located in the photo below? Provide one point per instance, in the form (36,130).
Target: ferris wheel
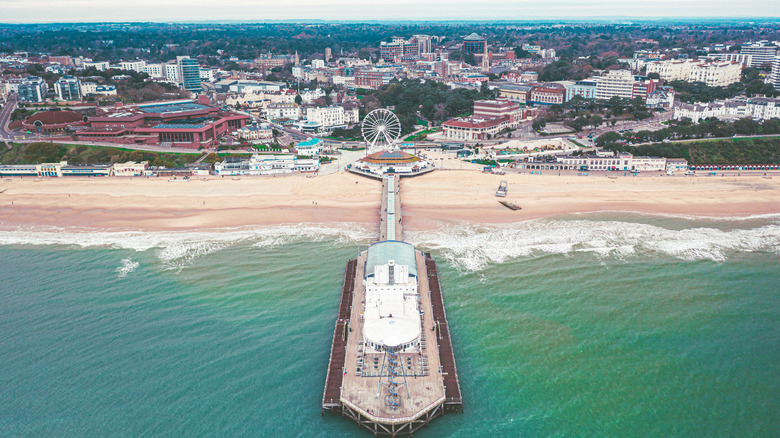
(381,128)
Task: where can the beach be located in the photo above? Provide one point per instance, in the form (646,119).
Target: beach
(448,196)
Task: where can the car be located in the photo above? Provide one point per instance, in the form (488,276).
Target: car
(690,172)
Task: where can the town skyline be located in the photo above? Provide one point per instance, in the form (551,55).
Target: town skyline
(30,12)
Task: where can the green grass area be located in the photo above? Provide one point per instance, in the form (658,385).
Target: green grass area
(422,135)
(737,151)
(44,152)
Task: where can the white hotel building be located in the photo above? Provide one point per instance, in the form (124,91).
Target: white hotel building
(622,162)
(714,74)
(615,83)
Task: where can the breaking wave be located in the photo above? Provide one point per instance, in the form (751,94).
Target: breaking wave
(473,247)
(177,248)
(126,267)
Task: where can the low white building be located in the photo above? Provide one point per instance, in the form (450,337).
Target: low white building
(309,96)
(622,162)
(676,165)
(130,168)
(262,164)
(256,132)
(758,108)
(92,89)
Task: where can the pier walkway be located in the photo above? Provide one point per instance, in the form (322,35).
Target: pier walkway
(390,219)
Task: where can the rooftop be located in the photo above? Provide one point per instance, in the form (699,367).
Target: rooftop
(163,108)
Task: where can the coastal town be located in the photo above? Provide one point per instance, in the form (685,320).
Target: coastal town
(491,105)
(406,218)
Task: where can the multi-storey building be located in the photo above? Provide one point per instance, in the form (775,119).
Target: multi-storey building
(189,73)
(740,58)
(100,66)
(206,74)
(774,77)
(369,78)
(716,74)
(424,42)
(548,95)
(498,108)
(515,93)
(328,117)
(672,70)
(133,66)
(68,88)
(61,60)
(475,44)
(398,49)
(172,72)
(761,54)
(153,70)
(642,87)
(585,88)
(33,89)
(615,83)
(474,128)
(276,111)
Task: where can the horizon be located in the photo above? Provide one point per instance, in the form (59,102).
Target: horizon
(179,11)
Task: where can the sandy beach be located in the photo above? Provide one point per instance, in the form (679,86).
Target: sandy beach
(450,196)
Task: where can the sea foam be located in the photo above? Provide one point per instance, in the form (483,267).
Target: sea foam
(177,248)
(473,247)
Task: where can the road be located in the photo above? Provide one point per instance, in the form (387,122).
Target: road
(5,118)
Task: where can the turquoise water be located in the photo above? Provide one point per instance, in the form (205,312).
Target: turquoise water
(579,326)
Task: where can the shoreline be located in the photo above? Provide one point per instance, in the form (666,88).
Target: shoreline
(454,196)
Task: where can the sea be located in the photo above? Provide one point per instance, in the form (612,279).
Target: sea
(593,325)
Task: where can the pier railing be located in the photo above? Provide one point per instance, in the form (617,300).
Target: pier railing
(338,353)
(446,354)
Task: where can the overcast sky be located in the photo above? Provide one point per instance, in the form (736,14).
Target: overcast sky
(30,11)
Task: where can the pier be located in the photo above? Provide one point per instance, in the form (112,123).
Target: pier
(391,390)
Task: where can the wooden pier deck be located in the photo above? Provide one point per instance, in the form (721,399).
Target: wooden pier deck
(454,400)
(330,398)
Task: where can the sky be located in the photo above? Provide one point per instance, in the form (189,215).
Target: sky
(34,11)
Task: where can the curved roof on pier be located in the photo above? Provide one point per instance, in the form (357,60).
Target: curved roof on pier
(390,157)
(400,252)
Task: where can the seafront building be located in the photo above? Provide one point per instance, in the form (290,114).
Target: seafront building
(260,164)
(184,123)
(758,108)
(397,162)
(622,162)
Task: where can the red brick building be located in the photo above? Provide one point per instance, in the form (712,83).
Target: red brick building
(180,123)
